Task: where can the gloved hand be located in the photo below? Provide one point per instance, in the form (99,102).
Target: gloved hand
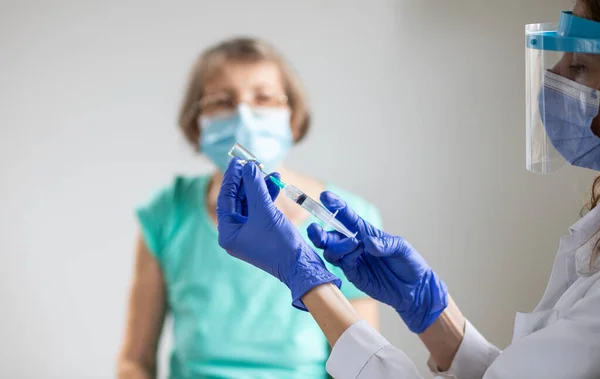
(252,229)
(383,266)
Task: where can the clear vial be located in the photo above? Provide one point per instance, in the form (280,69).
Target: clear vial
(241,152)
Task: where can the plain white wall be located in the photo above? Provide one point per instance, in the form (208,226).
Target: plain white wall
(418,105)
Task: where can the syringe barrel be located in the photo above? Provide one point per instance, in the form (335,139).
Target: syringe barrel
(293,193)
(316,209)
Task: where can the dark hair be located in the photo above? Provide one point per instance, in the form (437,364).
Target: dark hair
(589,9)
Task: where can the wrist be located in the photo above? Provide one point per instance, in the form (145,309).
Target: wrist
(430,306)
(444,336)
(308,272)
(331,310)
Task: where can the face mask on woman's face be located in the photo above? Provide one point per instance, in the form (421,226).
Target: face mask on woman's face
(567,110)
(266,132)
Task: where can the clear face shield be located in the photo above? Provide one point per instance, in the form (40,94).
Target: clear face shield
(562,100)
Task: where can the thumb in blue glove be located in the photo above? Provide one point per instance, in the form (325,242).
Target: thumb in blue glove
(385,267)
(252,229)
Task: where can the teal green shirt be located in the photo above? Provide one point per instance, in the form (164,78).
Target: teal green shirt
(230,319)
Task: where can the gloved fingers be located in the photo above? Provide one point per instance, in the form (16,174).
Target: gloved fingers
(335,245)
(228,226)
(387,246)
(228,200)
(257,193)
(345,214)
(348,216)
(333,240)
(272,187)
(349,261)
(317,236)
(241,206)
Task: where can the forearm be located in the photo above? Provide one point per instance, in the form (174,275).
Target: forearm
(129,369)
(367,310)
(445,335)
(331,310)
(145,317)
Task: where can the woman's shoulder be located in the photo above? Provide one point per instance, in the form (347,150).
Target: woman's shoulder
(181,189)
(162,214)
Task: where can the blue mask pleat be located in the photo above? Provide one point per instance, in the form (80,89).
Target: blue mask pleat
(567,113)
(265,132)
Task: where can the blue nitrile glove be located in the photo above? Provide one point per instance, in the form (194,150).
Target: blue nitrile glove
(383,266)
(252,229)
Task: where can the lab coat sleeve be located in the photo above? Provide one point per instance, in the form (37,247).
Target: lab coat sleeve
(362,353)
(475,354)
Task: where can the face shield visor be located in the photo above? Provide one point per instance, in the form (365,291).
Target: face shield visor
(562,100)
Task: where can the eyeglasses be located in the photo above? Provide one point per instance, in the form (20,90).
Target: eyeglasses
(222,102)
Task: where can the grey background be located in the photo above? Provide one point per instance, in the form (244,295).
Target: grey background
(418,107)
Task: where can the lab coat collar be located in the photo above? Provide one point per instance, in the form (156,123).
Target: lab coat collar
(582,239)
(573,258)
(588,223)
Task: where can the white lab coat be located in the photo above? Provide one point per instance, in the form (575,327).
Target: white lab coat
(560,339)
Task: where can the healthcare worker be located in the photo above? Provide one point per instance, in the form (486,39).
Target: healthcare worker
(240,90)
(560,339)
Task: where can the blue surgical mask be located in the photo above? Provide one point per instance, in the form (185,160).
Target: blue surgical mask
(567,110)
(266,132)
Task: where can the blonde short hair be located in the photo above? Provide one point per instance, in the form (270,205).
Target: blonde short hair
(241,50)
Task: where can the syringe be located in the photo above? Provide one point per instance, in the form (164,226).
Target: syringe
(314,207)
